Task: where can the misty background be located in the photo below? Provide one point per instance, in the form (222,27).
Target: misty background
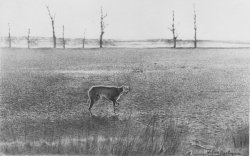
(225,20)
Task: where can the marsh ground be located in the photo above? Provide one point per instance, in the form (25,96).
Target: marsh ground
(44,91)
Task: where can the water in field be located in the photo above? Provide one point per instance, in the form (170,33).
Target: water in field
(43,42)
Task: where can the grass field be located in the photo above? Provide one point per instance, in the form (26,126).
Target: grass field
(177,96)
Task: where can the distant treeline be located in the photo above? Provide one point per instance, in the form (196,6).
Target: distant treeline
(46,42)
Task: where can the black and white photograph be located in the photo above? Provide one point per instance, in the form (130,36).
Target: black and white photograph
(124,77)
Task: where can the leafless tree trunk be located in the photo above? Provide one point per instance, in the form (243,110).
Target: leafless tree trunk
(174,32)
(195,29)
(83,40)
(53,26)
(9,38)
(28,38)
(102,27)
(63,40)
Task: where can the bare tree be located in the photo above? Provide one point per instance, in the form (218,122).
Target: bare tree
(53,25)
(102,27)
(83,40)
(9,38)
(195,29)
(173,30)
(28,38)
(63,40)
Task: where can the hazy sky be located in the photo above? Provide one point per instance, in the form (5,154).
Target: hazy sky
(128,19)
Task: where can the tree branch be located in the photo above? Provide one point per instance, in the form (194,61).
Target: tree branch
(104,16)
(50,13)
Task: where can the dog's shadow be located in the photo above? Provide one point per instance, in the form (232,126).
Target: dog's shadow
(105,118)
(101,122)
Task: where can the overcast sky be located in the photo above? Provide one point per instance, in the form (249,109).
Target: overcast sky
(128,19)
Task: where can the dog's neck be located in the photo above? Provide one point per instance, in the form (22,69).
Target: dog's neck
(121,90)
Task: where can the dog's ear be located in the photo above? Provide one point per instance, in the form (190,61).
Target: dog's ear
(129,89)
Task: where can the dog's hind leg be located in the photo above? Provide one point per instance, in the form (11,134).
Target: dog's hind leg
(93,99)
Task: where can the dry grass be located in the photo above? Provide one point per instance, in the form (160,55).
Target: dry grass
(132,139)
(235,140)
(241,137)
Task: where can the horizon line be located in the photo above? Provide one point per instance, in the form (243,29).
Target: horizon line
(142,39)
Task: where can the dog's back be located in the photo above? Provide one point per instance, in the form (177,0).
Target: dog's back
(105,91)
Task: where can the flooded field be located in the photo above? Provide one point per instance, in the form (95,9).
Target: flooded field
(205,92)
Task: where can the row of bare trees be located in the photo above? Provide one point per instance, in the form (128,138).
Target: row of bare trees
(175,36)
(9,37)
(103,26)
(52,18)
(27,38)
(195,29)
(174,32)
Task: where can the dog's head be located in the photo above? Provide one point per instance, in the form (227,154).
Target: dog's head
(125,89)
